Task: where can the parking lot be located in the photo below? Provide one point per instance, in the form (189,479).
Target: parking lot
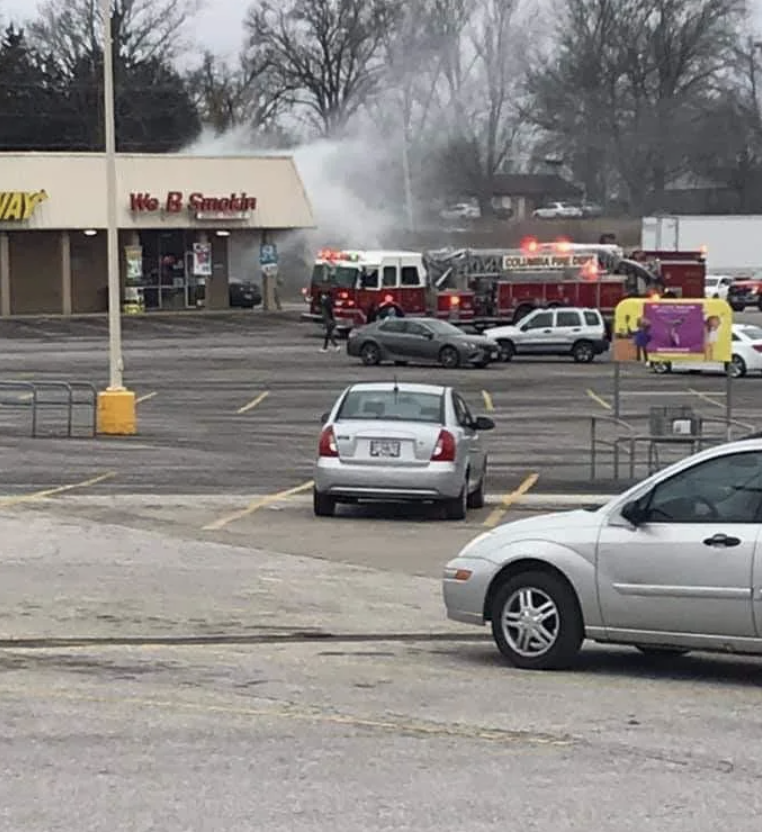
(185,645)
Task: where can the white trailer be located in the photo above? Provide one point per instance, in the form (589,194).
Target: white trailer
(733,243)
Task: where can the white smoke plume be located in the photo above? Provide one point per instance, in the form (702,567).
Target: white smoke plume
(341,179)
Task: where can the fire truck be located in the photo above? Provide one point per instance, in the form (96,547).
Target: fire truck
(486,287)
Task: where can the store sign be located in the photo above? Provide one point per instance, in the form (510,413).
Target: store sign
(144,202)
(16,206)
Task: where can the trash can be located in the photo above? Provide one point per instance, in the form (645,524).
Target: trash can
(133,302)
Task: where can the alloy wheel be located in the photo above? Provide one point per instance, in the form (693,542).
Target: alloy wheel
(531,622)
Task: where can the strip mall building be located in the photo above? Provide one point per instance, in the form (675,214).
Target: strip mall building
(187,224)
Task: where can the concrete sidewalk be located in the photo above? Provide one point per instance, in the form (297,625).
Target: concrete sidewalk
(78,578)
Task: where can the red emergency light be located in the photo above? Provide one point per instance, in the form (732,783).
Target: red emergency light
(590,270)
(529,245)
(563,245)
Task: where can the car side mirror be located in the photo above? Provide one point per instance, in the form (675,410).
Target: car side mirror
(634,513)
(324,417)
(483,423)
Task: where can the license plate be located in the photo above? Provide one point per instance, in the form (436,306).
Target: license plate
(384,448)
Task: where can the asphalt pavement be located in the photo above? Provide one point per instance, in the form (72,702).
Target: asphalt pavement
(231,404)
(184,646)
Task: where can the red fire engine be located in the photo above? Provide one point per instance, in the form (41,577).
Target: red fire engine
(361,283)
(484,287)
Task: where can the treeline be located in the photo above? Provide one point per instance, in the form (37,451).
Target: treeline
(627,98)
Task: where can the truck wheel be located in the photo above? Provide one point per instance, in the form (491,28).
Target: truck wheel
(536,621)
(583,352)
(370,354)
(507,350)
(449,357)
(661,367)
(737,307)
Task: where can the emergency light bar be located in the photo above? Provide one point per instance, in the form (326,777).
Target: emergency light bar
(331,255)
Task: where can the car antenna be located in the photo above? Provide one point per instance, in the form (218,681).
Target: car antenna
(396,387)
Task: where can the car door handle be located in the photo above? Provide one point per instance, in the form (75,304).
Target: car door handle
(722,540)
(547,331)
(576,329)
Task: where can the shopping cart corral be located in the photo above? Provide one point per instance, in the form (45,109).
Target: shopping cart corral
(49,408)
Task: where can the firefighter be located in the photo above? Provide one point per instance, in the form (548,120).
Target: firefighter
(388,309)
(329,321)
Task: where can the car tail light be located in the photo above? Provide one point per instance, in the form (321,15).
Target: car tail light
(444,450)
(757,347)
(327,444)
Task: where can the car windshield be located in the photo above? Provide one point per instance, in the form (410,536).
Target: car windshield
(442,327)
(399,406)
(343,277)
(753,333)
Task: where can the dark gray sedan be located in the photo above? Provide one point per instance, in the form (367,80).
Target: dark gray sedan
(420,340)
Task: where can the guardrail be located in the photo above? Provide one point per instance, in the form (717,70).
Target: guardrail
(67,398)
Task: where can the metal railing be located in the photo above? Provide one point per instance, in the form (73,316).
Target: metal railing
(622,440)
(68,398)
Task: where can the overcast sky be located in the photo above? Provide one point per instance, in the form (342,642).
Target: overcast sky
(218,26)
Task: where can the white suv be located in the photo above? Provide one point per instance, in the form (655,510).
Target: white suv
(580,333)
(555,210)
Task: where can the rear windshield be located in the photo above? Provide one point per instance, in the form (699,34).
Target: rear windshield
(402,406)
(592,319)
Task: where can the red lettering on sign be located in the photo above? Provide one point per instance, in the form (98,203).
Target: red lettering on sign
(143,202)
(174,202)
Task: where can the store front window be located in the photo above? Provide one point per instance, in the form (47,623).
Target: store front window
(168,270)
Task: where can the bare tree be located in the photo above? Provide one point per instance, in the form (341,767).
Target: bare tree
(325,54)
(143,29)
(233,97)
(483,70)
(626,80)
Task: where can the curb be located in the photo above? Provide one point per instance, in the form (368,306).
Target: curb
(492,500)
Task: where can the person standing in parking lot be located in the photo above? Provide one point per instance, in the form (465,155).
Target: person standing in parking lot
(329,322)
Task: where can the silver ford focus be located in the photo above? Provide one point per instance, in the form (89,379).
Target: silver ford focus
(389,441)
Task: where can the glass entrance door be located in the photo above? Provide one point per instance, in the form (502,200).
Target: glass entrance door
(173,275)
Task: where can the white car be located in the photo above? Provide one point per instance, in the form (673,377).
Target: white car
(672,565)
(461,211)
(580,333)
(747,356)
(554,210)
(716,286)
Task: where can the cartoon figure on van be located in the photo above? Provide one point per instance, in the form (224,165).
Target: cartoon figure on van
(711,335)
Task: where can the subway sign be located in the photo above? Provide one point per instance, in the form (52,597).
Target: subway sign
(174,202)
(17,206)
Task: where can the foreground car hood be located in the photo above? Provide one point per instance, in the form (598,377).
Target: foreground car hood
(560,527)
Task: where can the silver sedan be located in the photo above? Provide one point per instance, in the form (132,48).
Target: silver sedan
(395,442)
(672,565)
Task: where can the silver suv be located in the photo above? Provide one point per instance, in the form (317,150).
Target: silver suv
(580,333)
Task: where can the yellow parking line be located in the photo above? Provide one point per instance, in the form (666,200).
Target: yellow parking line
(254,402)
(598,400)
(260,502)
(49,492)
(488,403)
(509,499)
(706,397)
(145,398)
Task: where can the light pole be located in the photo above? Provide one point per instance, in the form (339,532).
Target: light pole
(116,405)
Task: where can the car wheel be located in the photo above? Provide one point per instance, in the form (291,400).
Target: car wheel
(507,350)
(661,652)
(370,353)
(449,357)
(661,367)
(737,367)
(476,499)
(458,508)
(737,307)
(536,622)
(583,352)
(323,504)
